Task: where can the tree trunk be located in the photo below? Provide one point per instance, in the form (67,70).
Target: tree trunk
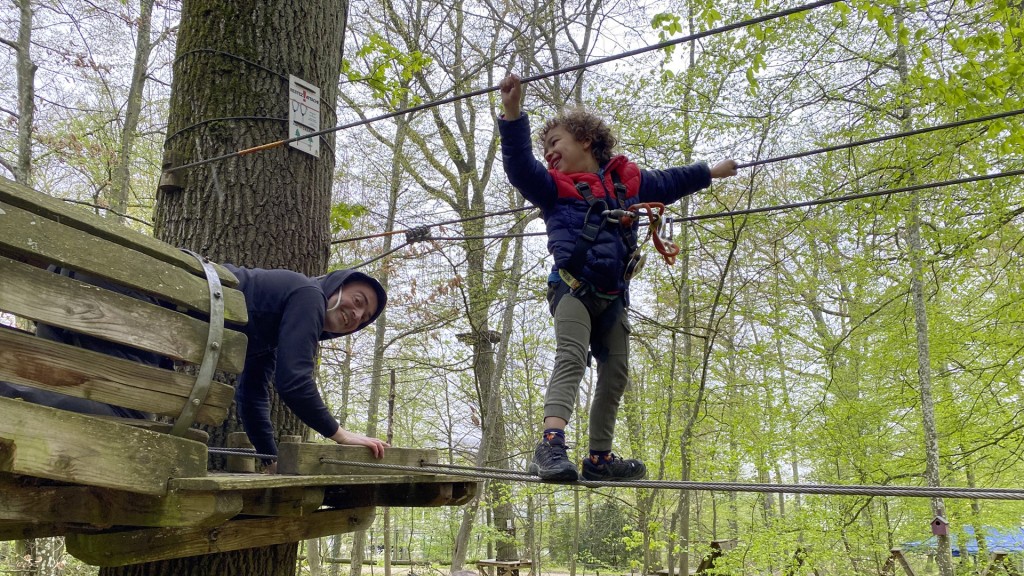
(26,68)
(117,202)
(268,209)
(944,552)
(313,556)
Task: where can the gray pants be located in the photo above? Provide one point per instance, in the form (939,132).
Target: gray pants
(604,328)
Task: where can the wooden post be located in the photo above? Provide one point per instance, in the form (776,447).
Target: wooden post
(240,463)
(995,561)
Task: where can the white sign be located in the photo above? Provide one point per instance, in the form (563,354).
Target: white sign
(303,115)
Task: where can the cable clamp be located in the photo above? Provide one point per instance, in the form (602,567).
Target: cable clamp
(417,234)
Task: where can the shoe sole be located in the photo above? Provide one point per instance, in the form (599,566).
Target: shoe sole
(640,476)
(612,478)
(558,476)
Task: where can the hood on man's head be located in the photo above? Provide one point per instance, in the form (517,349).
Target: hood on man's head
(331,281)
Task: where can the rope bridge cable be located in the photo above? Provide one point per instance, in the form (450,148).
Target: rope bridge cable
(482,91)
(444,223)
(877,139)
(849,197)
(240,452)
(729,214)
(819,489)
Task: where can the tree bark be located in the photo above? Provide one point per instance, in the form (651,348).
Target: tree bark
(26,68)
(269,209)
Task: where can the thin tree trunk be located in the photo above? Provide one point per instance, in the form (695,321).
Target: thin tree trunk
(26,92)
(313,557)
(117,202)
(944,553)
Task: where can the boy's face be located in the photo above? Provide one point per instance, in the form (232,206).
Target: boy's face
(563,152)
(358,305)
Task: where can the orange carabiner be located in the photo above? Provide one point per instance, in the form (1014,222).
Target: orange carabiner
(655,212)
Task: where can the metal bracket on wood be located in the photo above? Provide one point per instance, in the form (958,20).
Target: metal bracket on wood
(211,355)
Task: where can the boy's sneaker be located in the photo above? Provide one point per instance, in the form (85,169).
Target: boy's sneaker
(611,468)
(551,462)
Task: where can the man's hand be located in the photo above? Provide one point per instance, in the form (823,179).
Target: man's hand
(376,445)
(511,96)
(724,169)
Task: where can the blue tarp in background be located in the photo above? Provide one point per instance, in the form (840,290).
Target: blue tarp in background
(995,539)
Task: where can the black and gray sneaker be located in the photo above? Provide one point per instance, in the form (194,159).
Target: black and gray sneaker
(611,468)
(551,462)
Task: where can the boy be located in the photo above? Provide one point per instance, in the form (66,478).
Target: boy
(589,282)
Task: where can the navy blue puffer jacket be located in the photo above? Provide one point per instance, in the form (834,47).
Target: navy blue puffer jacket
(564,209)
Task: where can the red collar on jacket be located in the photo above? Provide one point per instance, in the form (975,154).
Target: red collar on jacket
(628,172)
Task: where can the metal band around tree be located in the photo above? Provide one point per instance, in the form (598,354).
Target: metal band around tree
(211,354)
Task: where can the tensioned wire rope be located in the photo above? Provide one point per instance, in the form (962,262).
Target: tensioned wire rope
(660,45)
(707,486)
(791,156)
(759,210)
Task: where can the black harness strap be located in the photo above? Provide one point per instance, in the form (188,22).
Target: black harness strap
(628,232)
(593,222)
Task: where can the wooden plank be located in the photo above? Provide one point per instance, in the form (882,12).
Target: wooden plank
(12,530)
(995,561)
(79,449)
(25,359)
(297,501)
(51,208)
(412,495)
(102,507)
(150,545)
(67,303)
(222,481)
(898,555)
(304,458)
(25,234)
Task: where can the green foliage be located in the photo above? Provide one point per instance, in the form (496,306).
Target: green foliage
(343,216)
(386,69)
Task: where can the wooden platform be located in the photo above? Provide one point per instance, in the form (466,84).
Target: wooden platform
(127,491)
(504,567)
(136,516)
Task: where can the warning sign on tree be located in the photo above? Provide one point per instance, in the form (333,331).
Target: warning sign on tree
(303,115)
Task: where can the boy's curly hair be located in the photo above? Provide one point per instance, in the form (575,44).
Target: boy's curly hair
(585,126)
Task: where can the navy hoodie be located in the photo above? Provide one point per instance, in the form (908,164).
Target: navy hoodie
(286,320)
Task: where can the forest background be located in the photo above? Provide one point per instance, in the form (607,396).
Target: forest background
(875,341)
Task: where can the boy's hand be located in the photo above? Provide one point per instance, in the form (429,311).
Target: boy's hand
(511,95)
(724,169)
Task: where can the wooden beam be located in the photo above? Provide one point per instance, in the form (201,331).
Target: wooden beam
(25,234)
(897,553)
(48,365)
(11,530)
(303,458)
(61,301)
(101,507)
(150,545)
(48,207)
(79,449)
(222,481)
(411,495)
(297,501)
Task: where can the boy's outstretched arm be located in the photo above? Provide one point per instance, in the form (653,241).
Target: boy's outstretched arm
(724,169)
(511,96)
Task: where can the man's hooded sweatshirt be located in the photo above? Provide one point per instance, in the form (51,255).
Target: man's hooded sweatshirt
(286,321)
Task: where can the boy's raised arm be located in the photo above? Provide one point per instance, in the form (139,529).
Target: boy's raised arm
(511,96)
